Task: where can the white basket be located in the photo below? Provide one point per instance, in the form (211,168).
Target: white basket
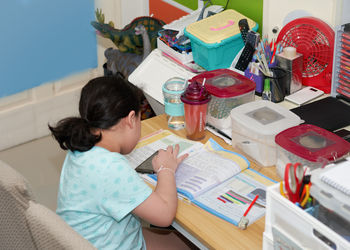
(181,57)
(293,228)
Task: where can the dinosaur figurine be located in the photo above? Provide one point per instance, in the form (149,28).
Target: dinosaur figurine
(125,63)
(125,39)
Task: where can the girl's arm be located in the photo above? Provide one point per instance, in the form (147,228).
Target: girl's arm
(160,207)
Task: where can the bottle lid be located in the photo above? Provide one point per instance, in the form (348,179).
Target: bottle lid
(174,86)
(267,84)
(195,93)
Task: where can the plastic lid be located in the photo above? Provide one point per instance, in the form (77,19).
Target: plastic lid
(195,93)
(225,83)
(312,143)
(264,117)
(174,86)
(218,27)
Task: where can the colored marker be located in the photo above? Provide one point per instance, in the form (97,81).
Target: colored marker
(250,206)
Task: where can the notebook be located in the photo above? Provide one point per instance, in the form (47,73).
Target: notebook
(338,176)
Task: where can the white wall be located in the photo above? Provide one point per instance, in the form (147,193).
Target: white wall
(25,115)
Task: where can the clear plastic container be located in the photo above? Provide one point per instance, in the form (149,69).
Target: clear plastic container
(332,206)
(228,90)
(328,196)
(174,108)
(255,125)
(312,146)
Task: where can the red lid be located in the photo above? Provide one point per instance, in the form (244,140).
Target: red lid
(195,93)
(312,143)
(225,83)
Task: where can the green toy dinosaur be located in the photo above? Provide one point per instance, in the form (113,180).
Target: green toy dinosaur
(125,39)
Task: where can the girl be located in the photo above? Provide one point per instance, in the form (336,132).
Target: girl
(100,195)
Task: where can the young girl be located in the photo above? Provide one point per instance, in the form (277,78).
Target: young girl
(100,195)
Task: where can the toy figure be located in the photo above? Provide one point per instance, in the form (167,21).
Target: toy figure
(125,39)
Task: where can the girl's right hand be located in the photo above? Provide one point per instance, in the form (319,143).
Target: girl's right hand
(168,158)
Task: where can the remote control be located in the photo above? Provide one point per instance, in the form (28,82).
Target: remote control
(246,57)
(253,38)
(244,28)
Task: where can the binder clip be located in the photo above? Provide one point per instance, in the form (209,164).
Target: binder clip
(243,223)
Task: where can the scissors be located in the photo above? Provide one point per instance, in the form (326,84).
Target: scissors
(293,179)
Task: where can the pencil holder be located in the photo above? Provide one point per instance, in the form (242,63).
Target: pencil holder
(278,82)
(258,79)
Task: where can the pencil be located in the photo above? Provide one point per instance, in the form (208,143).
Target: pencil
(273,55)
(250,206)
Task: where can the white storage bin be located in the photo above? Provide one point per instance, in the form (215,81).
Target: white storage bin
(255,125)
(267,241)
(182,57)
(293,228)
(310,145)
(328,196)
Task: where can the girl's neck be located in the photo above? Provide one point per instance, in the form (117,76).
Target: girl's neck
(111,148)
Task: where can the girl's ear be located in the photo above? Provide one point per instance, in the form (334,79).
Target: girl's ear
(131,119)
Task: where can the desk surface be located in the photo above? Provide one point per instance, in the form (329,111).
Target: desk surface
(210,230)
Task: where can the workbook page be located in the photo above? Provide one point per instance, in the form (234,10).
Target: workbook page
(231,199)
(160,140)
(207,168)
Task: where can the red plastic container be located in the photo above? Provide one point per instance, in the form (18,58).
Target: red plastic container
(310,145)
(228,89)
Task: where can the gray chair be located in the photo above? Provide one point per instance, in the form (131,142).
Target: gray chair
(26,224)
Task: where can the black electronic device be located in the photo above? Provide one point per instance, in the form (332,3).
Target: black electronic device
(146,166)
(253,38)
(244,28)
(246,57)
(329,113)
(343,133)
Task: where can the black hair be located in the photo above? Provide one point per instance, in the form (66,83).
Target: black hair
(104,101)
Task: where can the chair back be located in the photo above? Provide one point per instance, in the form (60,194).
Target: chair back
(26,224)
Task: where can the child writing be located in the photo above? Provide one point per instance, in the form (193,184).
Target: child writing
(100,195)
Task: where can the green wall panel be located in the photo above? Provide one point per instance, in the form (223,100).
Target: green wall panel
(192,4)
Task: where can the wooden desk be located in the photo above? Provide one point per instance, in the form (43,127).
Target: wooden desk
(210,230)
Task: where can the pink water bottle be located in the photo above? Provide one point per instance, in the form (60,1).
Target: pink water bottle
(195,99)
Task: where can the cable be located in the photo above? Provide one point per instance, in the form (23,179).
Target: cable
(226,4)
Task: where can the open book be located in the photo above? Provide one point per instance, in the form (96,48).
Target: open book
(215,179)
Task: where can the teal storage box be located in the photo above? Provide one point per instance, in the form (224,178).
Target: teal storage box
(216,40)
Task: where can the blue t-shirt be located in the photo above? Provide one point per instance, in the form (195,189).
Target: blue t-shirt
(98,190)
